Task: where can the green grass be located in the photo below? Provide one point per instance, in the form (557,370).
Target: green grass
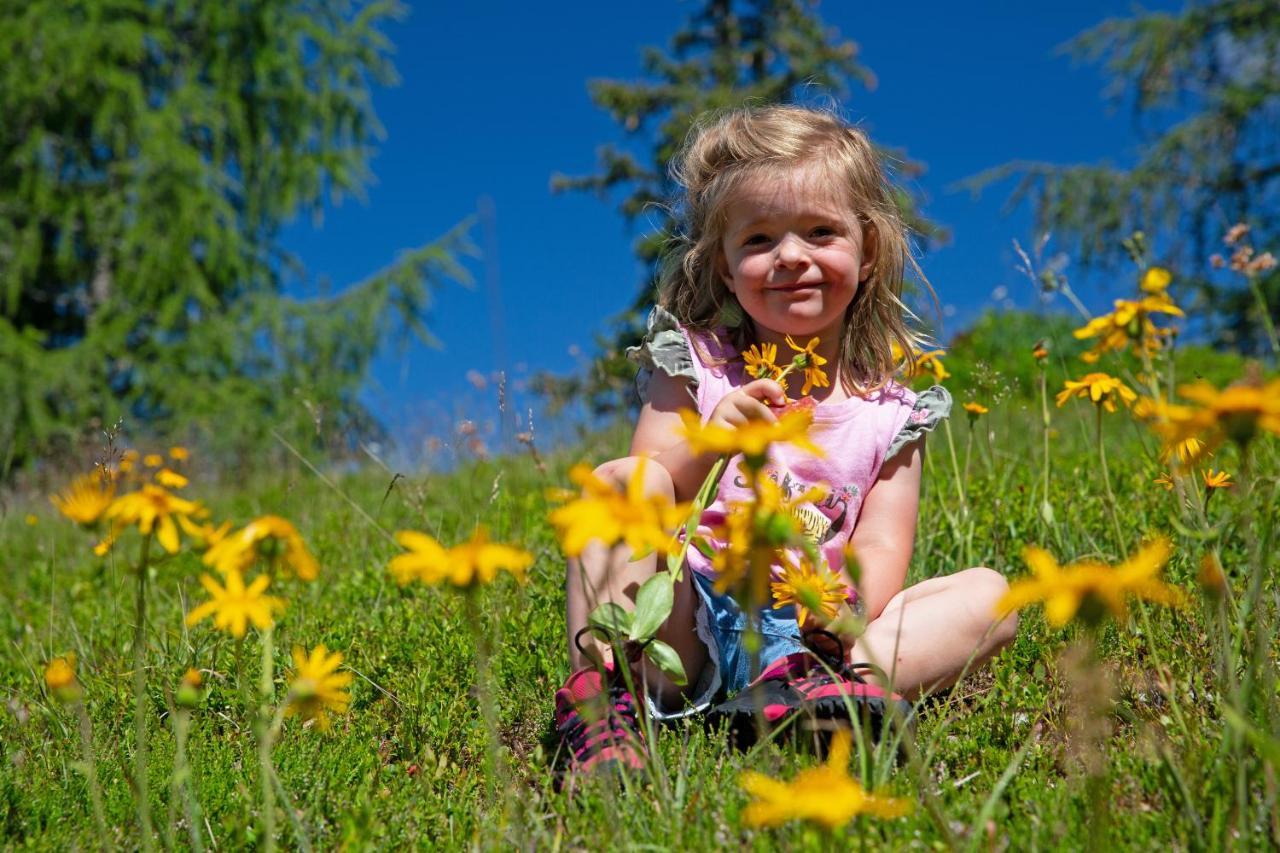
(999,762)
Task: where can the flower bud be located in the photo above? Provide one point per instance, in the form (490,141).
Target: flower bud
(60,678)
(190,690)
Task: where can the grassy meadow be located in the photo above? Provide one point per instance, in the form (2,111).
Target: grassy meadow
(1149,732)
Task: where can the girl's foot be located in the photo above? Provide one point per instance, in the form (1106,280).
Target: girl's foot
(808,684)
(598,724)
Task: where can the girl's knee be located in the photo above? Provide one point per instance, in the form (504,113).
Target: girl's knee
(656,478)
(987,587)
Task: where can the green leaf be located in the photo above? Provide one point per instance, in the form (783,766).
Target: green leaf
(653,606)
(704,547)
(665,658)
(610,618)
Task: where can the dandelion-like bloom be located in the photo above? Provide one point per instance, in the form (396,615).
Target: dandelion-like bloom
(171,479)
(179,453)
(754,534)
(976,409)
(1185,451)
(153,460)
(751,439)
(1238,412)
(204,534)
(60,673)
(645,522)
(1089,584)
(1164,481)
(475,562)
(1039,352)
(811,363)
(152,508)
(762,362)
(1217,479)
(825,795)
(269,538)
(1155,280)
(234,606)
(86,499)
(316,687)
(1129,322)
(1100,388)
(931,362)
(811,589)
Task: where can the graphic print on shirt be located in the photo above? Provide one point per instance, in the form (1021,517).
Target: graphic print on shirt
(822,519)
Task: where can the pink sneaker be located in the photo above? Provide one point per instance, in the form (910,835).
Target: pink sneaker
(800,684)
(598,724)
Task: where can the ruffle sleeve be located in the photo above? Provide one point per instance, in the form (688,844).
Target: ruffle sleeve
(664,348)
(931,407)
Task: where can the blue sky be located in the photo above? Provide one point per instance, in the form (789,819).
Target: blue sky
(493,102)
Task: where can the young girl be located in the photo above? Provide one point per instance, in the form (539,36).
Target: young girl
(789,228)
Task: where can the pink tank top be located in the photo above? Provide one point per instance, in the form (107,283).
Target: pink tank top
(854,434)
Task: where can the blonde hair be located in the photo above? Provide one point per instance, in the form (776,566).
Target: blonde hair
(722,152)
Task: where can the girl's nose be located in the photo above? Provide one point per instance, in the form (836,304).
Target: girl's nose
(790,252)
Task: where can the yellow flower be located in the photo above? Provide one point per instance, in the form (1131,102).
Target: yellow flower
(1217,479)
(316,687)
(205,534)
(811,363)
(1098,387)
(61,671)
(976,409)
(86,499)
(1237,412)
(751,439)
(645,522)
(1130,321)
(152,508)
(188,694)
(234,606)
(931,362)
(825,794)
(1164,480)
(1089,584)
(473,563)
(171,479)
(761,362)
(31,519)
(811,590)
(153,460)
(269,538)
(1039,352)
(1155,280)
(754,534)
(179,454)
(1185,451)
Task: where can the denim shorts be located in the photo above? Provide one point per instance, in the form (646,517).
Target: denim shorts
(721,625)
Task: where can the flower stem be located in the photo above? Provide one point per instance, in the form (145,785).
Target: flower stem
(484,696)
(181,784)
(266,737)
(140,695)
(91,768)
(1106,481)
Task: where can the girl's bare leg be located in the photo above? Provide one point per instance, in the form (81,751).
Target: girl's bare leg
(608,574)
(929,633)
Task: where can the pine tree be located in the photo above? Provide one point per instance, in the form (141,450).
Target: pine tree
(1204,89)
(726,55)
(150,153)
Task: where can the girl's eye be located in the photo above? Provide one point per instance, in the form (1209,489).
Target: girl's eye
(823,231)
(755,240)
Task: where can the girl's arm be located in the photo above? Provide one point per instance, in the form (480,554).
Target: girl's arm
(658,436)
(885,533)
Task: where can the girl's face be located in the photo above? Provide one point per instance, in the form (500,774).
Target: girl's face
(794,255)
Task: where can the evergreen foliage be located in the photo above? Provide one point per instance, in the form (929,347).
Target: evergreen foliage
(150,153)
(1204,89)
(727,54)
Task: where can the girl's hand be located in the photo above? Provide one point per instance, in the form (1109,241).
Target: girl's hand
(748,403)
